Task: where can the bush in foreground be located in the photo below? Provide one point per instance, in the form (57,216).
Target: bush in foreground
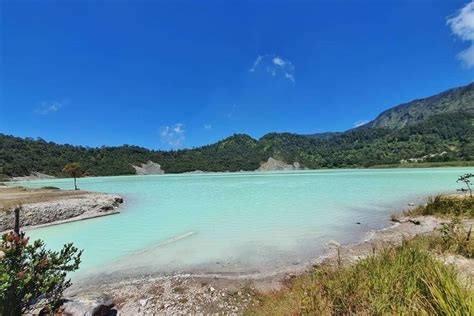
(400,280)
(31,276)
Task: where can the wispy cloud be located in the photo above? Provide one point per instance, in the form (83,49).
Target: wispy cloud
(47,107)
(256,63)
(462,25)
(173,135)
(232,111)
(274,65)
(207,127)
(360,123)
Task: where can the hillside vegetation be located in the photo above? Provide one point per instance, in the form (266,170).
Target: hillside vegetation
(453,100)
(437,129)
(451,133)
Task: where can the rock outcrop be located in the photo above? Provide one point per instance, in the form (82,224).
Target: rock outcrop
(425,157)
(148,168)
(165,295)
(90,305)
(59,211)
(272,164)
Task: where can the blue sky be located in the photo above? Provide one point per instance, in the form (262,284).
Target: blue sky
(173,74)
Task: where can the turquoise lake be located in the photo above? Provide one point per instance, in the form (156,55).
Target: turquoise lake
(237,223)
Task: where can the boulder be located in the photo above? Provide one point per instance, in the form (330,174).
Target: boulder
(90,305)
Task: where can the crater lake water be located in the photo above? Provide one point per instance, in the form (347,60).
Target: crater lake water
(236,223)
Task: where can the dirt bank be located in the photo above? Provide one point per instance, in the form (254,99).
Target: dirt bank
(40,207)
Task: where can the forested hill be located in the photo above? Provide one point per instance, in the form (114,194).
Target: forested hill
(446,137)
(438,128)
(453,100)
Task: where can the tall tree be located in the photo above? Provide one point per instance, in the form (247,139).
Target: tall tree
(73,170)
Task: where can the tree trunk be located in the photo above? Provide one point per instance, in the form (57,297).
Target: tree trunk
(16,228)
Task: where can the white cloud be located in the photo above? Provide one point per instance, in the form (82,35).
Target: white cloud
(360,123)
(462,25)
(467,56)
(207,127)
(275,65)
(278,61)
(47,107)
(174,135)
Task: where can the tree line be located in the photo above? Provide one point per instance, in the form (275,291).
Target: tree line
(362,147)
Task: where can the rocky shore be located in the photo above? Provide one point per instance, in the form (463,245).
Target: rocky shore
(191,294)
(187,293)
(42,207)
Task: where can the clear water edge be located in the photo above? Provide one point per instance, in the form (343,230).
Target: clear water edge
(236,224)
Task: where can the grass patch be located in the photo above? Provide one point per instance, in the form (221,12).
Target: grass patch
(446,206)
(452,238)
(399,280)
(455,238)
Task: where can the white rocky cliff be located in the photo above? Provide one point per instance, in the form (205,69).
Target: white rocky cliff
(273,164)
(148,168)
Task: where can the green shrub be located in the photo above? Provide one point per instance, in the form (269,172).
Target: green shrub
(457,239)
(31,276)
(446,206)
(453,238)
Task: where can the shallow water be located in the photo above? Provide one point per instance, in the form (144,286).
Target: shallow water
(237,222)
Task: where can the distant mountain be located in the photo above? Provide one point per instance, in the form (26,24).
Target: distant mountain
(454,100)
(438,128)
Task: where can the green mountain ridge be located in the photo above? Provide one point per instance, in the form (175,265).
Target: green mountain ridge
(445,123)
(459,99)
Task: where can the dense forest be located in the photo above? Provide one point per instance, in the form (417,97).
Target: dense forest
(362,147)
